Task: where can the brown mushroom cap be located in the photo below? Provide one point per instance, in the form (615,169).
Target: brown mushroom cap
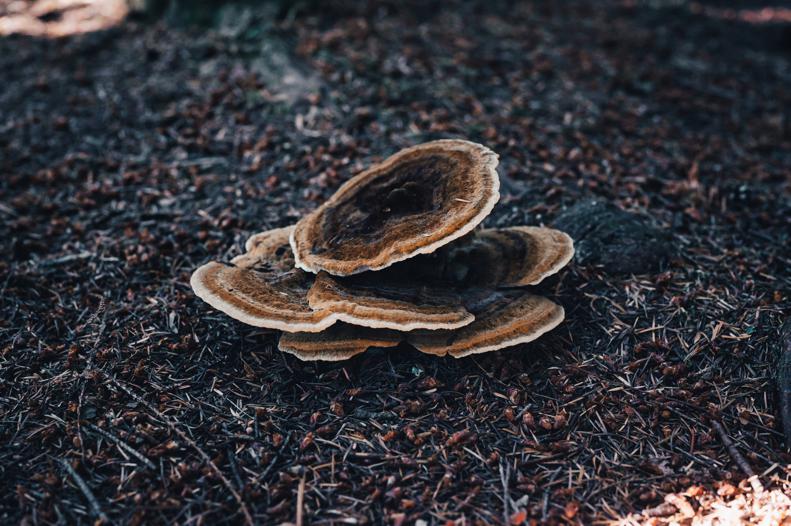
(370,301)
(339,342)
(510,257)
(261,288)
(502,319)
(270,249)
(417,200)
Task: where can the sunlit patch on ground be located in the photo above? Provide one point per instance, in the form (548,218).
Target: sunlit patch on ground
(726,505)
(763,15)
(755,16)
(56,18)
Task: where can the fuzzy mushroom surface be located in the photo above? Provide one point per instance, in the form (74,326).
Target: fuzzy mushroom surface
(416,201)
(371,300)
(394,257)
(502,319)
(339,342)
(271,248)
(261,288)
(509,257)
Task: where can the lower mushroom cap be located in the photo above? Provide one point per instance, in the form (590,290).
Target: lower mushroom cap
(339,342)
(261,287)
(502,319)
(509,257)
(263,299)
(372,301)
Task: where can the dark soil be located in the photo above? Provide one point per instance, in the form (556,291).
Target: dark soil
(130,156)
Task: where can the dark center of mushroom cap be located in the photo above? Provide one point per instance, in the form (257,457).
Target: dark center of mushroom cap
(410,198)
(418,187)
(391,284)
(480,262)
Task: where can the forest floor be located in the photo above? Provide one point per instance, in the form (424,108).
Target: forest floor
(131,155)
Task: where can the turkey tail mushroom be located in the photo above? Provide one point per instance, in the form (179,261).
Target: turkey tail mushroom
(371,301)
(502,319)
(509,257)
(261,288)
(339,342)
(337,282)
(414,202)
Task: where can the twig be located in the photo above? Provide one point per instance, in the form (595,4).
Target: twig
(248,519)
(101,310)
(505,474)
(737,456)
(784,381)
(544,506)
(64,259)
(94,316)
(300,500)
(262,477)
(123,445)
(97,510)
(234,468)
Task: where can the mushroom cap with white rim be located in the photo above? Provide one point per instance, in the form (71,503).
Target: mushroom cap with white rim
(339,342)
(509,257)
(502,319)
(416,201)
(261,288)
(372,300)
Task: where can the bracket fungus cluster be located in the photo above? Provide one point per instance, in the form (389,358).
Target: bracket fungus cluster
(394,257)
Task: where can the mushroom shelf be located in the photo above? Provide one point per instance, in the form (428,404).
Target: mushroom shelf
(395,256)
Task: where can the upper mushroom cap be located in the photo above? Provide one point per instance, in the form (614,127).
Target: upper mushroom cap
(510,257)
(502,319)
(417,200)
(371,300)
(261,288)
(339,342)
